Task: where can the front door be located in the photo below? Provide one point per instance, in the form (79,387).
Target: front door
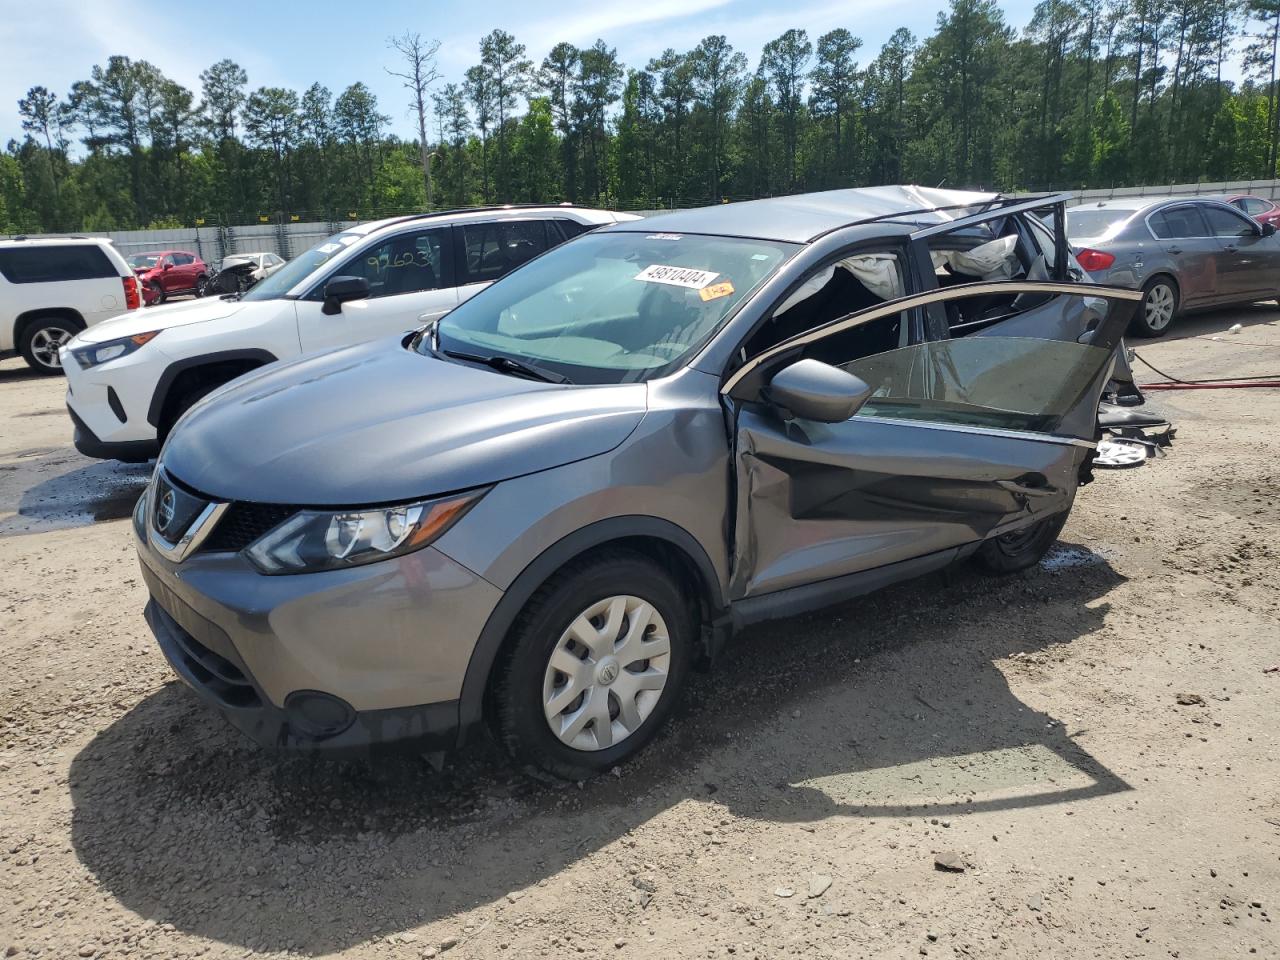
(411,282)
(961,439)
(1190,250)
(1249,263)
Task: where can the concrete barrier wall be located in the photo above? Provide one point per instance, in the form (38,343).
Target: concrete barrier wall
(289,239)
(214,243)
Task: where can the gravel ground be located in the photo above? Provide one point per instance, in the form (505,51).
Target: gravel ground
(1091,748)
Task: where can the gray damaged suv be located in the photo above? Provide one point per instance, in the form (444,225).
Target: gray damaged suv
(543,509)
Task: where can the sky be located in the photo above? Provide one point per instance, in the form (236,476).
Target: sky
(289,44)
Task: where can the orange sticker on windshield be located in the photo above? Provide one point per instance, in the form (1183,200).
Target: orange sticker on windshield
(716,291)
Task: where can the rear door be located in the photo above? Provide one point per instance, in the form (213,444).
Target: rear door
(1192,250)
(961,439)
(411,281)
(490,249)
(1249,263)
(184,271)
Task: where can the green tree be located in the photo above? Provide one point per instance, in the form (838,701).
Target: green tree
(783,64)
(599,85)
(271,122)
(558,79)
(508,73)
(717,83)
(835,82)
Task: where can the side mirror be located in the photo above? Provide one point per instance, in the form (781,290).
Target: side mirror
(341,289)
(1268,229)
(167,266)
(813,390)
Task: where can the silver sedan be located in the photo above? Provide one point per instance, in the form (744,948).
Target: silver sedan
(1184,254)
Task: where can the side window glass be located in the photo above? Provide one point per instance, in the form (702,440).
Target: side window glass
(1010,383)
(405,263)
(571,228)
(855,282)
(496,248)
(1253,205)
(1159,224)
(1225,223)
(48,264)
(1179,223)
(183,259)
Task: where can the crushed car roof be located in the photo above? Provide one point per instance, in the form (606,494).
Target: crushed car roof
(804,217)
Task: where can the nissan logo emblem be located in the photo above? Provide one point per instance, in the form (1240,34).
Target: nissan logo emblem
(165,511)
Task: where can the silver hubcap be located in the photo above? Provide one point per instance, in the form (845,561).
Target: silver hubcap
(606,673)
(1159,307)
(46,343)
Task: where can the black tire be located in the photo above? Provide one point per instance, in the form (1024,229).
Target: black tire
(1021,549)
(202,282)
(40,340)
(1145,324)
(161,296)
(185,401)
(518,715)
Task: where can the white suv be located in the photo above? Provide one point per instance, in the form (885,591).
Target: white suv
(131,378)
(52,288)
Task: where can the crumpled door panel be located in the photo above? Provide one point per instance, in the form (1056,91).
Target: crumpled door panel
(821,500)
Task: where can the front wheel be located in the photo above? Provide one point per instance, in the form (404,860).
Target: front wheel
(202,285)
(158,292)
(599,658)
(1159,307)
(1021,549)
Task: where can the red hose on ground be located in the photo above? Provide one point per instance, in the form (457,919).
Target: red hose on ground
(1208,385)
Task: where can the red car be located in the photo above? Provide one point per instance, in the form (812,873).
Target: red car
(168,272)
(1264,211)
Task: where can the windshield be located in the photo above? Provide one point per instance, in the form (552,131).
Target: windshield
(297,269)
(612,307)
(1093,223)
(143,261)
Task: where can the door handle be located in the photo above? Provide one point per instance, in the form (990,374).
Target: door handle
(1175,250)
(1013,486)
(1232,248)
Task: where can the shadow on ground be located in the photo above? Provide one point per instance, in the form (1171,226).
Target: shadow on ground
(888,706)
(18,372)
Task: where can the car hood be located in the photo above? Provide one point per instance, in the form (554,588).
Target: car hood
(161,318)
(378,423)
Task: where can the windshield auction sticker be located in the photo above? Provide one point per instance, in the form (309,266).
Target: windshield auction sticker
(716,291)
(676,276)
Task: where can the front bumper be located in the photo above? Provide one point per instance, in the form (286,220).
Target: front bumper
(126,451)
(330,726)
(336,662)
(108,405)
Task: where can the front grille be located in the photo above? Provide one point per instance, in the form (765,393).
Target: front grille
(243,523)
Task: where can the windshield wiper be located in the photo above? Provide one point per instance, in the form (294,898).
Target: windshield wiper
(510,365)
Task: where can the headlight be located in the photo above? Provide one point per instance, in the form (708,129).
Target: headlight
(92,354)
(315,540)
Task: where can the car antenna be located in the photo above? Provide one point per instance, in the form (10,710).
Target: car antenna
(939,183)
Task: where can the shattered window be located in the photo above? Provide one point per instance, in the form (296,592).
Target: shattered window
(1010,383)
